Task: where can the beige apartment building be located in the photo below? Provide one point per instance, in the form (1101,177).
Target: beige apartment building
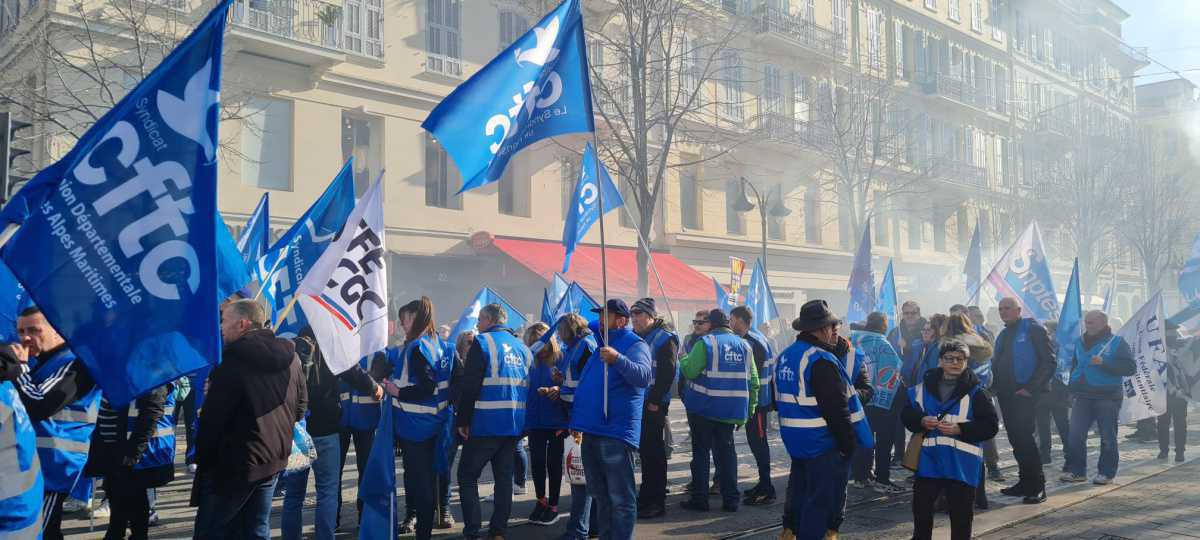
(979,94)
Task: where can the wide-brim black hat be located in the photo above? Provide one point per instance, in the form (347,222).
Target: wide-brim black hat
(814,315)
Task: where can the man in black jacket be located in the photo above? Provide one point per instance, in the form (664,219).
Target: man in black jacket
(664,346)
(255,397)
(1021,369)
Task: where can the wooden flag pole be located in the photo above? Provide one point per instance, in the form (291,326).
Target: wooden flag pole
(287,310)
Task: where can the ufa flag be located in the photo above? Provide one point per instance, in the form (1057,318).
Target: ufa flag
(1145,390)
(1024,274)
(344,296)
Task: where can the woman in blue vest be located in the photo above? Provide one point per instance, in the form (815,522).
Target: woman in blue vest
(546,425)
(955,413)
(1100,362)
(133,448)
(420,390)
(580,347)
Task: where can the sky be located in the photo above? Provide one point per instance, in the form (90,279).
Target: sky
(1171,31)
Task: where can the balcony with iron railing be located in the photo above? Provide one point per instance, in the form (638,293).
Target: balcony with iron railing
(795,30)
(308,32)
(957,171)
(783,128)
(958,90)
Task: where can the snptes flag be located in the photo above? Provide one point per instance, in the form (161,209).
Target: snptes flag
(536,88)
(344,294)
(585,203)
(1024,274)
(120,243)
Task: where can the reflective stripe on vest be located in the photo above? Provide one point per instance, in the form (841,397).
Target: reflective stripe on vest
(816,422)
(15,480)
(65,445)
(802,428)
(500,408)
(420,420)
(493,378)
(944,456)
(722,390)
(68,415)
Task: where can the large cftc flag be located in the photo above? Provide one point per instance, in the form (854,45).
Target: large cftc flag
(344,296)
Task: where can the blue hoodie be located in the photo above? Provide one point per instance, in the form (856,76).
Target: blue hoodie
(628,379)
(542,412)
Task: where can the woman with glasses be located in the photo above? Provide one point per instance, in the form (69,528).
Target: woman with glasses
(952,409)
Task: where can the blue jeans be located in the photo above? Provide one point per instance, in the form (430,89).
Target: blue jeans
(419,478)
(817,489)
(520,464)
(328,469)
(241,510)
(608,468)
(1103,412)
(477,452)
(717,437)
(581,506)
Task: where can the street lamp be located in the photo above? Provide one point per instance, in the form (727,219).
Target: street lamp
(770,205)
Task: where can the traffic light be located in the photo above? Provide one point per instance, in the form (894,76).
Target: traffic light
(10,150)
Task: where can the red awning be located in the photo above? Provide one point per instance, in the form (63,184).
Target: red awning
(682,283)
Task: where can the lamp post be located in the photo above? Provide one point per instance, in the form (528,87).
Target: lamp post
(769,205)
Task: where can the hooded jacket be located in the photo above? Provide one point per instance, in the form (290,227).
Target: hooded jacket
(255,397)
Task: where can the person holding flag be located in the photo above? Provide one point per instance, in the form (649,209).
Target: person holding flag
(1100,360)
(581,347)
(664,349)
(607,409)
(419,388)
(1022,365)
(490,416)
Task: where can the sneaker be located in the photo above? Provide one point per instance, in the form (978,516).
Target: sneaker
(549,516)
(1036,498)
(445,520)
(1013,491)
(1178,457)
(101,511)
(694,506)
(518,490)
(859,484)
(996,476)
(1101,480)
(887,488)
(762,498)
(535,517)
(715,489)
(153,520)
(1072,478)
(1163,455)
(73,505)
(191,468)
(408,526)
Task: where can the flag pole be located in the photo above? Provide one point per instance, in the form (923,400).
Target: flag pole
(287,310)
(603,263)
(653,267)
(262,286)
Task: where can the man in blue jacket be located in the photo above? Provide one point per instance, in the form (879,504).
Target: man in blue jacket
(1021,369)
(1101,361)
(608,410)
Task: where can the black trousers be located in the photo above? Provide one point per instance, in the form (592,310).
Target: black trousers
(1176,414)
(1056,405)
(546,460)
(653,453)
(129,507)
(52,504)
(188,416)
(884,426)
(960,498)
(362,439)
(756,439)
(1019,422)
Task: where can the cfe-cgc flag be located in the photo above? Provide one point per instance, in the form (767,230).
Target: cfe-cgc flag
(470,314)
(723,302)
(887,294)
(759,297)
(1145,390)
(252,243)
(120,243)
(1024,274)
(585,203)
(344,295)
(1070,325)
(535,89)
(862,281)
(284,266)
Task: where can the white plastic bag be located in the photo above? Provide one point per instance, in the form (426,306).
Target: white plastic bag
(573,461)
(304,452)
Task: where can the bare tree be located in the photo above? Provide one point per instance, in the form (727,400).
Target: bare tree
(1157,215)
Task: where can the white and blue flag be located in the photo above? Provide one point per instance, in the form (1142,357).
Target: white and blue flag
(284,266)
(120,243)
(1023,273)
(585,203)
(252,243)
(887,294)
(723,302)
(558,287)
(759,297)
(470,314)
(862,281)
(577,300)
(1070,325)
(535,89)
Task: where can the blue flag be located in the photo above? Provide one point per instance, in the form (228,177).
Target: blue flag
(547,309)
(558,287)
(13,300)
(585,203)
(577,300)
(1069,325)
(722,297)
(1023,274)
(470,315)
(1107,300)
(1189,277)
(887,294)
(120,242)
(252,243)
(759,297)
(973,267)
(862,281)
(536,88)
(377,485)
(287,262)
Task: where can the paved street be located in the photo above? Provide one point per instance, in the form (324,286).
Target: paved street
(870,516)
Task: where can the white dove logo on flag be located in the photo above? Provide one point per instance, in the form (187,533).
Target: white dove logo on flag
(189,116)
(545,51)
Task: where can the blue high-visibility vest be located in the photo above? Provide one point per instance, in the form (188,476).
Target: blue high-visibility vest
(64,438)
(586,344)
(656,339)
(160,448)
(1024,358)
(944,456)
(420,420)
(22,485)
(360,412)
(500,410)
(1093,374)
(803,429)
(768,371)
(722,390)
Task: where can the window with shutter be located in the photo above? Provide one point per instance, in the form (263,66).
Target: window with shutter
(443,28)
(952,10)
(976,15)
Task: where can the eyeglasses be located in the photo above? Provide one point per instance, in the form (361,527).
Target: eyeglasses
(699,322)
(954,359)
